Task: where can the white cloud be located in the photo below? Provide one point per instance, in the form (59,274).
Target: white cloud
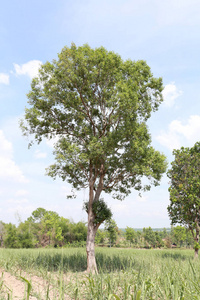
(38,154)
(170,94)
(8,168)
(21,210)
(180,134)
(6,146)
(21,193)
(4,78)
(30,68)
(18,201)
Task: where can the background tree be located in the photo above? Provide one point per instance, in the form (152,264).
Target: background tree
(163,233)
(112,231)
(97,106)
(65,225)
(11,239)
(100,236)
(130,234)
(79,231)
(25,235)
(184,190)
(189,239)
(2,232)
(37,215)
(51,229)
(179,235)
(159,242)
(149,236)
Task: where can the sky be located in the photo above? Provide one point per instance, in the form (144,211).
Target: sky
(166,34)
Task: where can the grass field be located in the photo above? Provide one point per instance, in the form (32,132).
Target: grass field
(123,274)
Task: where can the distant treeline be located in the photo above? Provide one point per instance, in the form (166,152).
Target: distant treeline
(154,229)
(47,229)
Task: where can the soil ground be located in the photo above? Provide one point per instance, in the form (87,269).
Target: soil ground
(14,286)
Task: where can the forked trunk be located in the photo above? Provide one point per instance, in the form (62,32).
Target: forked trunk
(90,246)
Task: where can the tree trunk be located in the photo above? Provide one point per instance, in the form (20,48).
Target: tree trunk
(196,250)
(92,226)
(196,253)
(90,245)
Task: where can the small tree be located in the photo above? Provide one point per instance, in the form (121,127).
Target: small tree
(159,242)
(25,235)
(130,234)
(2,232)
(11,239)
(149,236)
(100,236)
(51,228)
(79,231)
(179,235)
(184,190)
(97,106)
(112,230)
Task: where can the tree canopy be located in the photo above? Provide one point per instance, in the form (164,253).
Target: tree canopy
(184,189)
(97,105)
(130,234)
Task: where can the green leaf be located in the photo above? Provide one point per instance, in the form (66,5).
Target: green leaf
(113,295)
(138,295)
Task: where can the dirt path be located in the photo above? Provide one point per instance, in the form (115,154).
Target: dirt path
(13,286)
(16,287)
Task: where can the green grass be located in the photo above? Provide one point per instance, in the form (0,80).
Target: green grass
(123,273)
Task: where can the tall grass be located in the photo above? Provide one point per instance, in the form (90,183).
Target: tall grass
(123,274)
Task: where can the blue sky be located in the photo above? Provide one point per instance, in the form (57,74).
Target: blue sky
(164,33)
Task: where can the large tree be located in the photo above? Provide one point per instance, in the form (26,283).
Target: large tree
(97,106)
(184,190)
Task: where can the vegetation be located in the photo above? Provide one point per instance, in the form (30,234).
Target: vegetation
(130,234)
(112,231)
(184,190)
(123,274)
(97,106)
(44,229)
(47,229)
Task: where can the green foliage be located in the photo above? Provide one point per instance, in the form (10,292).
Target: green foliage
(100,236)
(79,231)
(25,235)
(159,241)
(130,234)
(101,211)
(112,230)
(2,232)
(149,236)
(37,215)
(49,229)
(11,238)
(97,105)
(179,235)
(29,287)
(185,186)
(56,231)
(196,246)
(185,189)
